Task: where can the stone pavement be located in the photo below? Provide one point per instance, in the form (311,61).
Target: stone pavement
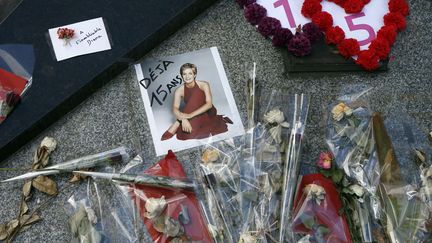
(115,115)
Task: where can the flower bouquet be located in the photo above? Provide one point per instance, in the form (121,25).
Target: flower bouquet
(16,66)
(170,215)
(316,210)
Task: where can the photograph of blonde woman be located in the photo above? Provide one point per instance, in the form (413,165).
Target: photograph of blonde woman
(195,115)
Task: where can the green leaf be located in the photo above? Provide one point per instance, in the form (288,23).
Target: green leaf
(322,230)
(326,173)
(308,220)
(337,176)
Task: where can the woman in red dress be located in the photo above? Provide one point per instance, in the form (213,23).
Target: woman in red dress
(198,117)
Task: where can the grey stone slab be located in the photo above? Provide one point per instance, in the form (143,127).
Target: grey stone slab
(115,115)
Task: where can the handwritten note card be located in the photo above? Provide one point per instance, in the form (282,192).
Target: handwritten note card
(90,36)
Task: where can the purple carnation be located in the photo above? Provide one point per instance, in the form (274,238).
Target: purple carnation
(243,3)
(269,26)
(282,37)
(254,13)
(312,32)
(300,45)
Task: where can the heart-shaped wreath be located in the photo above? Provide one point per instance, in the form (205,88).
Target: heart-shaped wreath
(300,44)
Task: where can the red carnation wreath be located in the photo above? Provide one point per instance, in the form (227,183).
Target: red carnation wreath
(300,44)
(379,48)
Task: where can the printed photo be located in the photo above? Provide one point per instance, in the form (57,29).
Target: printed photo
(188,100)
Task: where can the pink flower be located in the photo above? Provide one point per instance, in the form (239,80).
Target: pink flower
(325,160)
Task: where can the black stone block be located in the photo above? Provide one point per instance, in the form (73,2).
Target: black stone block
(136,26)
(323,59)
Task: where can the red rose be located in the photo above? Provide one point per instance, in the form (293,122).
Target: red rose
(399,6)
(311,7)
(334,35)
(368,60)
(353,6)
(396,19)
(323,19)
(381,47)
(349,47)
(388,33)
(366,1)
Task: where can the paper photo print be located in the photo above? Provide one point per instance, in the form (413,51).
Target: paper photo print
(188,100)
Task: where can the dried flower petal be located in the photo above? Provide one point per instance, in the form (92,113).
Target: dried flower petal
(27,189)
(210,155)
(357,190)
(3,232)
(314,192)
(24,208)
(45,185)
(247,237)
(274,116)
(341,110)
(173,227)
(28,219)
(49,143)
(154,207)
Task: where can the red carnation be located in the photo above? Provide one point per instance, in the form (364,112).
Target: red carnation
(396,19)
(311,7)
(282,37)
(269,26)
(368,60)
(300,45)
(388,33)
(399,6)
(381,47)
(254,13)
(334,35)
(338,2)
(366,1)
(323,19)
(353,6)
(243,3)
(349,47)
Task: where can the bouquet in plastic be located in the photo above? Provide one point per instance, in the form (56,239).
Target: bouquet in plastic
(16,67)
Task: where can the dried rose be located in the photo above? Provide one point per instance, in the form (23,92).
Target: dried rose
(314,192)
(274,116)
(341,110)
(357,190)
(325,160)
(247,237)
(154,207)
(210,155)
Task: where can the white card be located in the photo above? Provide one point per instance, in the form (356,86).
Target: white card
(90,36)
(361,26)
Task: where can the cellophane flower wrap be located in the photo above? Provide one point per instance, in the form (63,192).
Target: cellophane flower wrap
(351,140)
(100,211)
(316,211)
(170,215)
(405,179)
(16,67)
(219,173)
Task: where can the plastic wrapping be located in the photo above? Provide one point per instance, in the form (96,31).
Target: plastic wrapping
(219,174)
(406,202)
(316,211)
(351,140)
(300,108)
(170,215)
(102,213)
(16,68)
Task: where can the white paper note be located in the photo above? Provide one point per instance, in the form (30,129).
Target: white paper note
(90,36)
